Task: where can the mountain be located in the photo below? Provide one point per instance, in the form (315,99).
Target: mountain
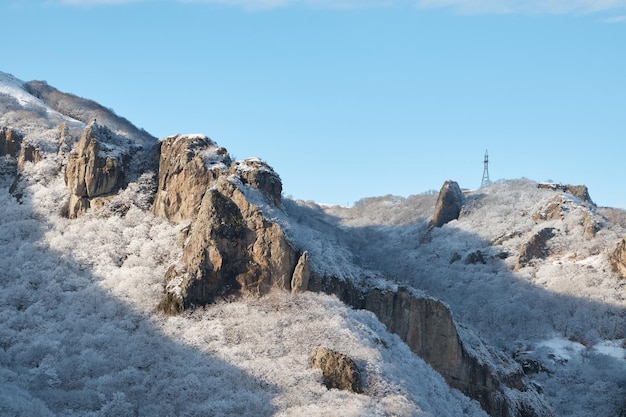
(161,277)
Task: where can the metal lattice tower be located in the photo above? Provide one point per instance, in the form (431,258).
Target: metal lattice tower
(486,181)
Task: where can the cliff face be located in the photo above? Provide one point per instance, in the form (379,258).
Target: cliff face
(426,326)
(188,166)
(231,248)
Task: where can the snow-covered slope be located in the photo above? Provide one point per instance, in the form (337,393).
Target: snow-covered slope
(80,335)
(567,311)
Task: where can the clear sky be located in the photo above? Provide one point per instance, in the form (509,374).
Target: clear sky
(353,98)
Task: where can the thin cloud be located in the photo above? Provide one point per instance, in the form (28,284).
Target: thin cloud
(616,19)
(525,6)
(95,2)
(528,7)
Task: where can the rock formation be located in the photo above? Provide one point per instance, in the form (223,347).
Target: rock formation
(95,169)
(261,176)
(188,166)
(449,204)
(535,247)
(301,274)
(231,248)
(618,258)
(28,153)
(579,191)
(427,327)
(10,142)
(338,370)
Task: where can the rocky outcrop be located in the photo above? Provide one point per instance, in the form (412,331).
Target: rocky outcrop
(338,370)
(261,176)
(579,191)
(535,247)
(554,210)
(188,166)
(301,274)
(561,206)
(231,248)
(449,204)
(95,169)
(28,153)
(618,258)
(10,142)
(427,326)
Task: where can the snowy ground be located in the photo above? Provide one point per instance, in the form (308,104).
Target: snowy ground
(80,336)
(572,296)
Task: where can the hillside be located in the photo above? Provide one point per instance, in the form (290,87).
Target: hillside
(87,260)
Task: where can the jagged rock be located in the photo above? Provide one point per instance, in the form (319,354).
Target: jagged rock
(28,153)
(579,191)
(618,258)
(10,142)
(301,274)
(449,204)
(261,176)
(65,140)
(590,225)
(554,210)
(188,166)
(559,207)
(427,327)
(231,248)
(94,169)
(535,247)
(338,370)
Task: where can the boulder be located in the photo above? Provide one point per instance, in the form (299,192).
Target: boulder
(338,370)
(449,204)
(618,258)
(95,169)
(535,247)
(188,166)
(231,248)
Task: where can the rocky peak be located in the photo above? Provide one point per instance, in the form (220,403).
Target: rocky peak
(95,169)
(261,176)
(188,166)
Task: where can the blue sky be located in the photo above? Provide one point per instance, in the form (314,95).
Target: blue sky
(349,99)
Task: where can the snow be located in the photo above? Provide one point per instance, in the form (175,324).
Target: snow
(79,334)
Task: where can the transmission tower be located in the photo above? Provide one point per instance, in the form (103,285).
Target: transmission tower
(486,181)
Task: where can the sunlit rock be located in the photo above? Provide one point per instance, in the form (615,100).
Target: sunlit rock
(618,258)
(188,166)
(338,370)
(231,248)
(96,168)
(449,204)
